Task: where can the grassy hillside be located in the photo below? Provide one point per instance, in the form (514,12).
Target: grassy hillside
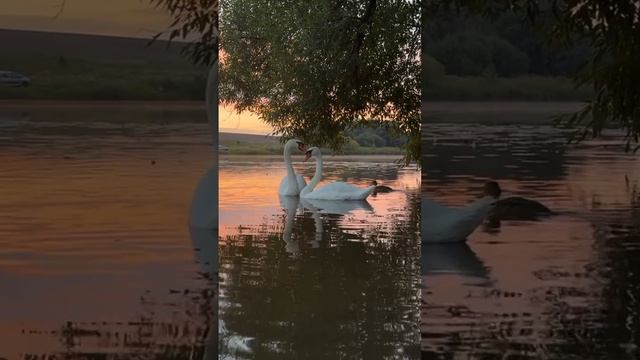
(79,79)
(246,144)
(89,67)
(97,48)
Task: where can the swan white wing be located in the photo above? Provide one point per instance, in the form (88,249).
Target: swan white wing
(288,187)
(442,224)
(340,191)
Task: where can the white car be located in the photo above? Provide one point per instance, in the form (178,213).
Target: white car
(13,78)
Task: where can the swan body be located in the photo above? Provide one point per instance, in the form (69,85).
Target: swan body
(292,183)
(335,191)
(441,224)
(340,191)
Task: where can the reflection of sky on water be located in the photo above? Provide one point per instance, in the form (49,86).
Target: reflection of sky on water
(94,233)
(249,189)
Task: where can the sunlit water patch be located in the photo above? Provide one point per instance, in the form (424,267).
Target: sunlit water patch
(96,256)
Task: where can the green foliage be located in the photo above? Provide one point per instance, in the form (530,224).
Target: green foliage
(462,54)
(515,45)
(194,17)
(376,134)
(314,69)
(473,54)
(507,60)
(311,69)
(609,31)
(432,70)
(369,139)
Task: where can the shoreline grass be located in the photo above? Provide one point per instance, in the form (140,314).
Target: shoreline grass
(248,148)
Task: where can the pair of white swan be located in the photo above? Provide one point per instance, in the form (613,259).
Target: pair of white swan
(293,184)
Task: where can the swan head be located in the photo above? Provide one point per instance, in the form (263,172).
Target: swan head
(312,152)
(491,188)
(295,142)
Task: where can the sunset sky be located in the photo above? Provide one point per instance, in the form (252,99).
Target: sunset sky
(114,17)
(128,18)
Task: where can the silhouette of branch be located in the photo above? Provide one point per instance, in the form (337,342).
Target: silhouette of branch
(63,4)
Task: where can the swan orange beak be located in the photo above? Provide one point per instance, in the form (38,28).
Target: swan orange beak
(307,155)
(301,146)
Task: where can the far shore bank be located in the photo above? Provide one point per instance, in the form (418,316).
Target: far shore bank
(163,111)
(496,112)
(151,104)
(336,157)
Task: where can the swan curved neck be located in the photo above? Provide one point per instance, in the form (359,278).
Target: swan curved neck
(316,177)
(287,160)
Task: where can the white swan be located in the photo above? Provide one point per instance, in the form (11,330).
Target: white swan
(335,191)
(441,224)
(292,183)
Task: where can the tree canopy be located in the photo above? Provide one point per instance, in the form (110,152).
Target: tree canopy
(314,70)
(611,32)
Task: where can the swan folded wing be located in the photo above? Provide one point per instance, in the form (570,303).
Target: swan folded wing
(287,188)
(340,191)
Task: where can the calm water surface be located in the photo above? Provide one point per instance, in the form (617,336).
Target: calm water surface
(97,260)
(567,287)
(301,280)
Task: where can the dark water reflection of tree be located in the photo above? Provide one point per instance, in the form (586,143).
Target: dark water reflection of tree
(343,299)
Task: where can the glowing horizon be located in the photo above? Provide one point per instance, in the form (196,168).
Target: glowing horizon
(229,120)
(116,17)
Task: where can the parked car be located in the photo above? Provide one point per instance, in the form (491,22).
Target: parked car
(14,78)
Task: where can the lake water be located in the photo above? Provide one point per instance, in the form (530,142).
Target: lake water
(97,260)
(335,280)
(566,287)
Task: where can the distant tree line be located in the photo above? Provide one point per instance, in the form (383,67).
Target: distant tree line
(467,44)
(376,134)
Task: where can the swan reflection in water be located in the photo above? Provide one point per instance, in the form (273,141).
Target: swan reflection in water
(453,259)
(294,206)
(203,228)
